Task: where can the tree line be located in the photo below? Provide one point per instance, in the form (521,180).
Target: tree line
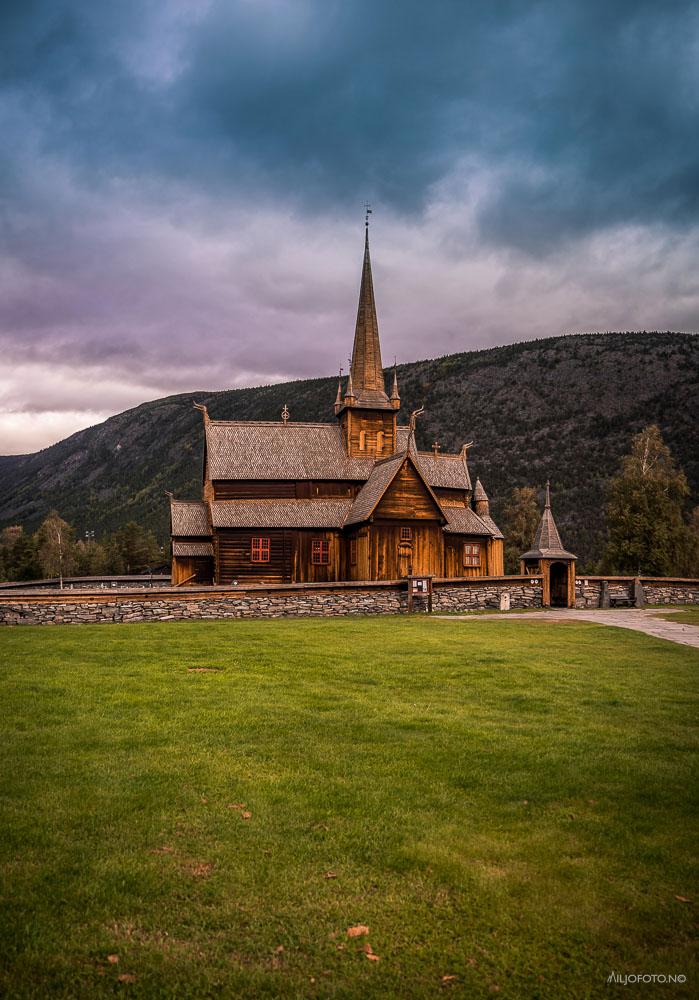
(53,550)
(650,531)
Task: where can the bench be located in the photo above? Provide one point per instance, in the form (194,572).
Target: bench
(621,602)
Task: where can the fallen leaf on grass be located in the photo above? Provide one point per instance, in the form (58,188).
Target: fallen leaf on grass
(126,977)
(682,899)
(472,961)
(449,979)
(357,931)
(330,875)
(236,805)
(279,949)
(112,959)
(246,815)
(201,870)
(164,850)
(369,952)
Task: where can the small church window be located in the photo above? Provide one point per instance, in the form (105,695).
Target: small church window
(472,554)
(406,534)
(320,552)
(353,551)
(259,552)
(362,440)
(380,440)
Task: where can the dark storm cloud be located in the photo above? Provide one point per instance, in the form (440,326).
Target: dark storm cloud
(181,183)
(592,105)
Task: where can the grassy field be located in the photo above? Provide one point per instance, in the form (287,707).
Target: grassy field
(203,810)
(687,616)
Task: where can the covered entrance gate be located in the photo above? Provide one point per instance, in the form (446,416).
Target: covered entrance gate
(548,558)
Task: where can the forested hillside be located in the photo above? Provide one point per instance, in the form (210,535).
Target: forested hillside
(564,408)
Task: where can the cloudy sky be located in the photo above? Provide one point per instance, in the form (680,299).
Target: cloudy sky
(182,186)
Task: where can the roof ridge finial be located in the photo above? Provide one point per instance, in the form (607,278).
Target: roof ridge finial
(367,213)
(547,505)
(411,428)
(202,407)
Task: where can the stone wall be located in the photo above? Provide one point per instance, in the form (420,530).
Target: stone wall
(656,590)
(305,600)
(285,601)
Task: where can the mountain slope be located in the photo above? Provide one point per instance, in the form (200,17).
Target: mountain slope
(565,407)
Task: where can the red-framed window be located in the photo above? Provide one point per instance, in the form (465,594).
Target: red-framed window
(353,551)
(259,550)
(320,552)
(472,554)
(406,534)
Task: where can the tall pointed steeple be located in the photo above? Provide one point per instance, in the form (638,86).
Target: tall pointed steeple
(366,415)
(367,370)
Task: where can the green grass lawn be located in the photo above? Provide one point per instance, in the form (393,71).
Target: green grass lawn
(687,616)
(505,803)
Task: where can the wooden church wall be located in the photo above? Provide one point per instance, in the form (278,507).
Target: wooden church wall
(234,548)
(290,556)
(454,557)
(354,423)
(191,570)
(391,558)
(407,498)
(282,489)
(303,569)
(496,557)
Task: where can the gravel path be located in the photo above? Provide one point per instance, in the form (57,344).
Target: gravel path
(637,620)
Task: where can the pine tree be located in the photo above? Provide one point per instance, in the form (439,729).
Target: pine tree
(647,531)
(521,518)
(137,548)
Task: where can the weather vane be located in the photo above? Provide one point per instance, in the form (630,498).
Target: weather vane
(367,213)
(285,413)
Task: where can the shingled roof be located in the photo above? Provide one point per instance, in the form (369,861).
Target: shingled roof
(547,541)
(441,470)
(280,513)
(192,549)
(465,521)
(238,449)
(490,523)
(189,520)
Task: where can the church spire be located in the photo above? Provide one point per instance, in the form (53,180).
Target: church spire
(367,370)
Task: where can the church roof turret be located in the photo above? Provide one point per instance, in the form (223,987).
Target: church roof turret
(547,541)
(479,492)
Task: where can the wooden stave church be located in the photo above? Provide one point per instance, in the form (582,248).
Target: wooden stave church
(288,502)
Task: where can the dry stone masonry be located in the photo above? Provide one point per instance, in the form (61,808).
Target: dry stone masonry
(290,601)
(307,600)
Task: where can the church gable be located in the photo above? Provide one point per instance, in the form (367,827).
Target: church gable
(408,497)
